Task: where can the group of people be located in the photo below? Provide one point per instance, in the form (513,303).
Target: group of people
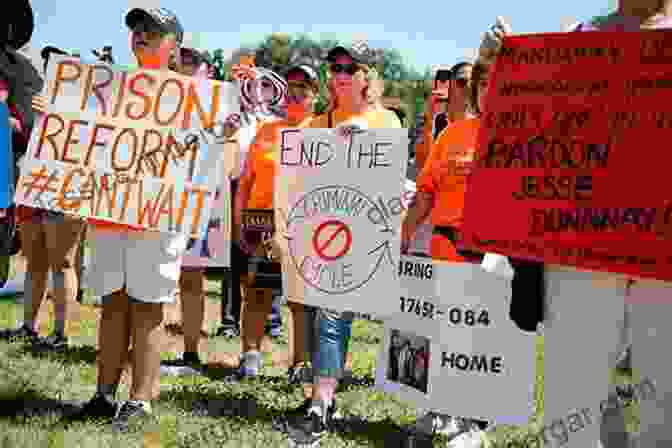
(136,271)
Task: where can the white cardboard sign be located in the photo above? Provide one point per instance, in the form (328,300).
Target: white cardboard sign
(338,203)
(480,364)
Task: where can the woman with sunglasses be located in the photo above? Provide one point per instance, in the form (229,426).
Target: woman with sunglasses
(255,191)
(350,79)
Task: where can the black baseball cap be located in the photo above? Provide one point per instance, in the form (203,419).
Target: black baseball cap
(165,19)
(359,52)
(462,70)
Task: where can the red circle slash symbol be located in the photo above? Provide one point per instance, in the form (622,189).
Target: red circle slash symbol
(320,248)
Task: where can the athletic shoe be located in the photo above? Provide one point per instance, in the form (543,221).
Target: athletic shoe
(98,408)
(299,374)
(472,437)
(284,422)
(250,364)
(188,364)
(306,431)
(130,414)
(21,334)
(229,331)
(53,343)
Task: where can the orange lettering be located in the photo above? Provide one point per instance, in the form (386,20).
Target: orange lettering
(147,207)
(145,98)
(65,189)
(60,77)
(120,95)
(207,121)
(196,219)
(168,199)
(115,165)
(157,103)
(94,141)
(69,139)
(97,87)
(50,137)
(147,155)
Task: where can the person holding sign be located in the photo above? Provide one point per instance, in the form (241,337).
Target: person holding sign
(255,191)
(192,278)
(50,241)
(441,188)
(576,297)
(351,74)
(134,270)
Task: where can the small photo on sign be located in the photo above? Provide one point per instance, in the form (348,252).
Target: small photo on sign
(408,360)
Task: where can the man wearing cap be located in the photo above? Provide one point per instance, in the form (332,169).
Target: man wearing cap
(255,191)
(135,271)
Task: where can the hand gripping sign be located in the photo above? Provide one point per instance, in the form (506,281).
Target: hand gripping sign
(132,147)
(475,351)
(338,207)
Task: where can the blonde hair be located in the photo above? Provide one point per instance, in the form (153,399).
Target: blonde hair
(372,93)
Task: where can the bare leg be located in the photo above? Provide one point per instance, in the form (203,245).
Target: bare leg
(193,309)
(114,338)
(146,319)
(37,271)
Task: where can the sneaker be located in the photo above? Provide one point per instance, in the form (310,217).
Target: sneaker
(436,423)
(188,364)
(306,431)
(284,422)
(250,364)
(21,334)
(229,331)
(98,408)
(53,343)
(471,438)
(299,374)
(131,413)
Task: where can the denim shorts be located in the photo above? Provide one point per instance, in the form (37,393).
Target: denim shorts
(333,330)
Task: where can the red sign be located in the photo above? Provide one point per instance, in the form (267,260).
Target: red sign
(574,153)
(331,229)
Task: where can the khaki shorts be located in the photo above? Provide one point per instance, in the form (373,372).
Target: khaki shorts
(52,242)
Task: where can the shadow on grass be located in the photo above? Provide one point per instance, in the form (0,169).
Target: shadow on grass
(245,405)
(73,354)
(29,403)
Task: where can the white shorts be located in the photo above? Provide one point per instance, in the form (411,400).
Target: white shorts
(147,263)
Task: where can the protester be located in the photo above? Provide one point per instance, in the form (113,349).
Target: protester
(575,296)
(50,241)
(350,78)
(261,97)
(192,278)
(255,191)
(441,190)
(134,270)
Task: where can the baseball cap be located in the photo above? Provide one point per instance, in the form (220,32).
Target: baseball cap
(358,51)
(462,70)
(162,17)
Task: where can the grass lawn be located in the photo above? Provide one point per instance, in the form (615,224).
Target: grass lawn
(240,415)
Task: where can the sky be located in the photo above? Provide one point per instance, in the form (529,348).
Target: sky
(443,34)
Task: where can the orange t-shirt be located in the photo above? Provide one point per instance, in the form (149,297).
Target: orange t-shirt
(262,161)
(444,176)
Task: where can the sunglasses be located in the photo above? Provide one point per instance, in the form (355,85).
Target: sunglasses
(350,69)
